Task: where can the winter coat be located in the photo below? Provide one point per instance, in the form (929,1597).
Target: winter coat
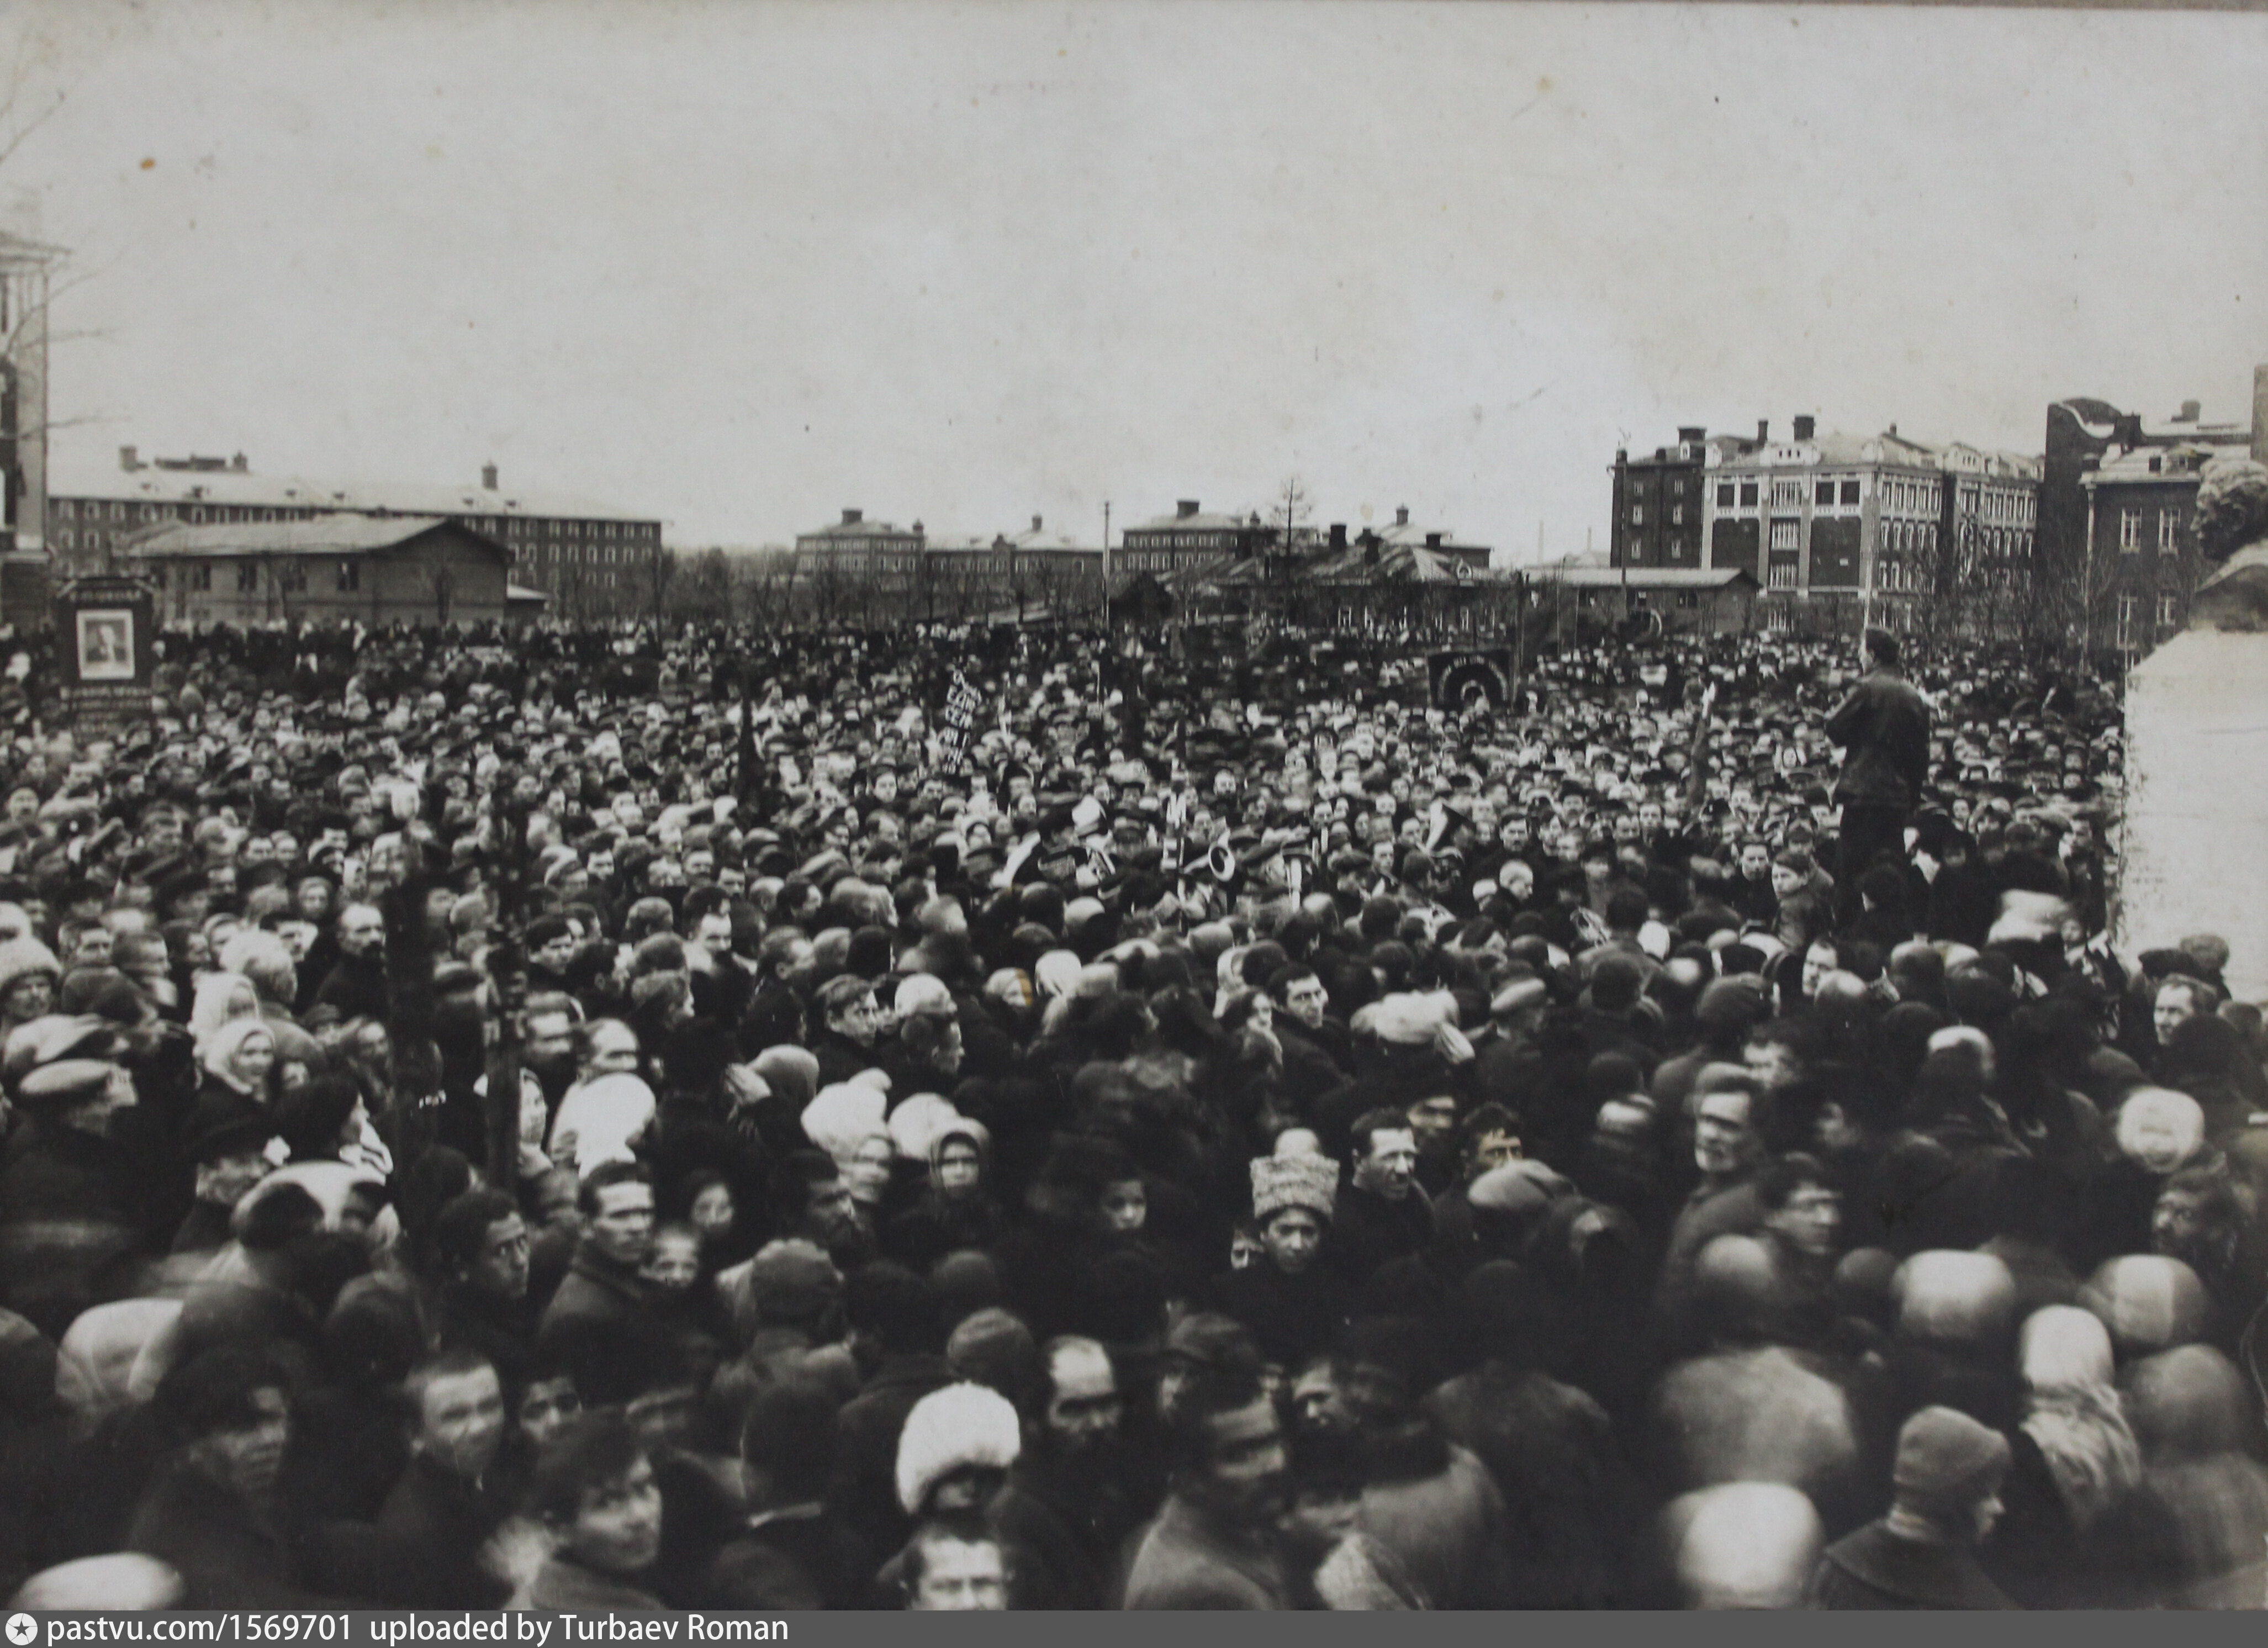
(1187,1560)
(563,1585)
(225,1559)
(1551,1450)
(1434,1505)
(1883,729)
(1875,1569)
(601,1323)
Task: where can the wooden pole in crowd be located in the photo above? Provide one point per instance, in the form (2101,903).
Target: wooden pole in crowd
(507,983)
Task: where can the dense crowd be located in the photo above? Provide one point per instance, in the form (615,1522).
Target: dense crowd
(612,1120)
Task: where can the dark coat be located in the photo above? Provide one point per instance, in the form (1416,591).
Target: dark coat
(1875,1569)
(429,1541)
(1290,1318)
(601,1323)
(225,1559)
(866,1490)
(796,1557)
(1883,729)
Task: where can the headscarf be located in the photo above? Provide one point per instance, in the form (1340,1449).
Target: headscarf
(220,1048)
(2072,1412)
(211,1008)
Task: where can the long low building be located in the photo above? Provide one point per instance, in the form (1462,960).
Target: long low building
(376,569)
(1705,600)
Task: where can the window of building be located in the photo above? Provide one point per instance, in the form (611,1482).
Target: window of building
(291,579)
(1850,492)
(349,576)
(1785,537)
(1747,495)
(1687,600)
(1788,494)
(2169,527)
(1724,494)
(1638,514)
(2130,530)
(201,576)
(118,511)
(2168,606)
(1823,493)
(197,516)
(248,577)
(1782,574)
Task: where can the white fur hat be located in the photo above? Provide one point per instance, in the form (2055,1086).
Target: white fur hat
(960,1425)
(1296,1180)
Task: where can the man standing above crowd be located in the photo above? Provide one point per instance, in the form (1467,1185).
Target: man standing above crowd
(1883,730)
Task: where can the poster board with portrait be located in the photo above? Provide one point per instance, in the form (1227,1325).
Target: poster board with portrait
(106,652)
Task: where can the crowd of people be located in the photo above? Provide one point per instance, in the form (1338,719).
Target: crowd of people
(616,1119)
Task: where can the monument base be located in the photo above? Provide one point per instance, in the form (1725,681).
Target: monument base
(2195,832)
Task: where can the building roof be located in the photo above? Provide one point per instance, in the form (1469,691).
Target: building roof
(1640,578)
(1201,522)
(862,529)
(324,535)
(2177,464)
(238,487)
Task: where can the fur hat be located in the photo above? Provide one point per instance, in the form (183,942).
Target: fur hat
(950,1430)
(21,958)
(1299,1180)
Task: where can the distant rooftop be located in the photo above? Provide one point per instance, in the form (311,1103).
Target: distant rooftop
(230,481)
(324,535)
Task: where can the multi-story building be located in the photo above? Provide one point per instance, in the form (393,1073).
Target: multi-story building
(589,557)
(1840,529)
(2117,510)
(1188,539)
(24,482)
(1659,506)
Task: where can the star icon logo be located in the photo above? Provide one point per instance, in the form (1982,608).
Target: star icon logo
(22,1629)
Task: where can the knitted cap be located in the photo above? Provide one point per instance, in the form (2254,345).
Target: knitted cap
(845,1116)
(1946,1460)
(950,1430)
(1294,1182)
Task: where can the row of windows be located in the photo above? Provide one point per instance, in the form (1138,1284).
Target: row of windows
(218,514)
(2130,530)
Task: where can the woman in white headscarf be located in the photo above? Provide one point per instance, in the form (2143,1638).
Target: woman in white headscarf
(2076,1462)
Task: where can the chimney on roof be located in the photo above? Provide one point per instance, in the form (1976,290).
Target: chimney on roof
(1803,428)
(1764,430)
(129,459)
(1691,434)
(2188,412)
(851,518)
(1338,537)
(488,477)
(240,464)
(1184,509)
(1035,522)
(1402,516)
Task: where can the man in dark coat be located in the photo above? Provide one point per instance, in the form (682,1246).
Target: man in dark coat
(1384,1214)
(1064,1509)
(446,1504)
(356,985)
(600,1321)
(1923,1555)
(216,1514)
(1883,730)
(1212,1545)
